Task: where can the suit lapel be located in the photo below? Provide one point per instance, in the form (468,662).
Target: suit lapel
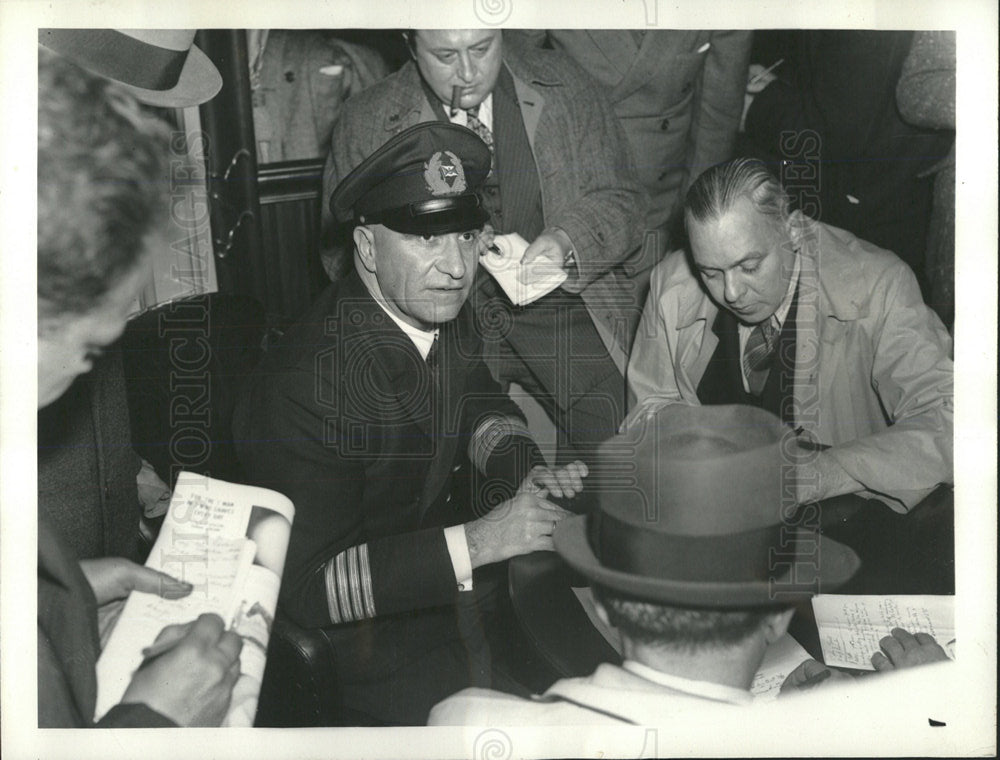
(400,378)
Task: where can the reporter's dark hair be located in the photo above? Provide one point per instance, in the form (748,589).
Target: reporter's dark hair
(683,628)
(101,185)
(715,191)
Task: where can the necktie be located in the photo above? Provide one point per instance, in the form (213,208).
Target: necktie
(480,129)
(433,364)
(757,354)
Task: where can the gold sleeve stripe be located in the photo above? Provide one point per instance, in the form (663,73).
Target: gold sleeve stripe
(490,433)
(349,595)
(343,594)
(354,581)
(366,581)
(331,593)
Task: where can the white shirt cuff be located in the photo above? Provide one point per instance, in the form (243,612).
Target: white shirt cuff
(458,548)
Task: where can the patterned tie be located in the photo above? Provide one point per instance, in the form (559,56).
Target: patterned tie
(757,355)
(480,129)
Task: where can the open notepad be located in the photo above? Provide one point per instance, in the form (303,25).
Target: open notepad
(229,541)
(850,627)
(780,659)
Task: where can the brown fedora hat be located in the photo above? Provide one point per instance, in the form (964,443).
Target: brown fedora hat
(698,510)
(161,67)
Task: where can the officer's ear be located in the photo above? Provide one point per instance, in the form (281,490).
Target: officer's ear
(364,244)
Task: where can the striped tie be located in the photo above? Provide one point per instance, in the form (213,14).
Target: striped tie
(480,129)
(757,355)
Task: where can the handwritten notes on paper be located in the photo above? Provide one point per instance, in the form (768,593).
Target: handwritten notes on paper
(780,659)
(850,627)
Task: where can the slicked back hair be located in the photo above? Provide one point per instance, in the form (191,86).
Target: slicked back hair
(718,188)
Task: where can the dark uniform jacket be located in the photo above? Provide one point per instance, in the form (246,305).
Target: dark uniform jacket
(342,418)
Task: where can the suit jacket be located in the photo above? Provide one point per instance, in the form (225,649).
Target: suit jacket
(678,95)
(611,695)
(87,466)
(874,376)
(585,171)
(68,646)
(852,161)
(340,418)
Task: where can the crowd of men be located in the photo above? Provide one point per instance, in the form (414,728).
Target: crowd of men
(743,358)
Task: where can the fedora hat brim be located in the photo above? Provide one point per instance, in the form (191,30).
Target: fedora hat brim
(143,63)
(199,82)
(807,575)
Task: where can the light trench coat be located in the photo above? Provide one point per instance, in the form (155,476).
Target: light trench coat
(874,376)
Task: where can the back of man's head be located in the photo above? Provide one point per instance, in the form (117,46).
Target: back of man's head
(682,629)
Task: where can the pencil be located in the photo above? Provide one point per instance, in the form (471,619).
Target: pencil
(768,70)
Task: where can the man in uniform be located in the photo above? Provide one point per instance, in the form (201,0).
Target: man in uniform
(562,177)
(370,415)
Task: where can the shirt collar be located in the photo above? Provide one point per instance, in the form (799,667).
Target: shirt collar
(422,339)
(705,689)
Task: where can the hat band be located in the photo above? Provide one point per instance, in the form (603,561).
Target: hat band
(744,557)
(117,56)
(467,202)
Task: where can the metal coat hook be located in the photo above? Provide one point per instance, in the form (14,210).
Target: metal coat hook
(222,248)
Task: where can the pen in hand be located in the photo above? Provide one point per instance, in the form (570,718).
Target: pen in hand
(165,642)
(815,679)
(765,72)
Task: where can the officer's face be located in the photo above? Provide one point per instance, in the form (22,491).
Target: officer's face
(468,58)
(745,259)
(424,280)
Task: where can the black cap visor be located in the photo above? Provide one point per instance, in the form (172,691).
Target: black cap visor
(434,217)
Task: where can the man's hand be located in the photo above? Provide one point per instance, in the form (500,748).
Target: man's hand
(192,681)
(520,525)
(486,237)
(809,675)
(552,244)
(563,482)
(758,78)
(114,578)
(902,649)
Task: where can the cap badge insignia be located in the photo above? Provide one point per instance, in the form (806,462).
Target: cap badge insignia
(444,174)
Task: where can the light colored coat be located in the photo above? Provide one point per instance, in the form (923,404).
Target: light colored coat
(611,695)
(874,376)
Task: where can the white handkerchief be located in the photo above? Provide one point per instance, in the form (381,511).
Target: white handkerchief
(522,284)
